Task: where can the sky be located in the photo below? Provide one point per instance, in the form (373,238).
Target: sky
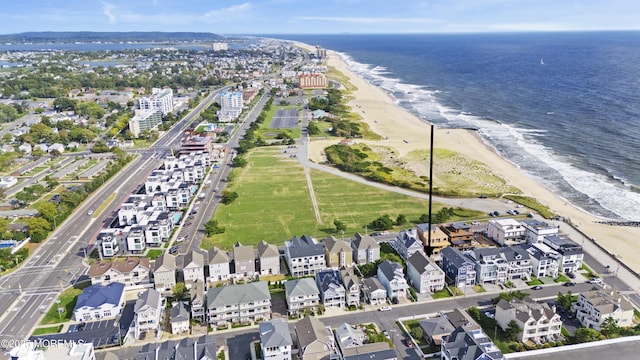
(319,16)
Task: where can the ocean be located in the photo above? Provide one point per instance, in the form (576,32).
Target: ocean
(564,107)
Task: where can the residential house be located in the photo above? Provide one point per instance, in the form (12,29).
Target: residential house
(571,252)
(189,348)
(218,265)
(595,306)
(506,232)
(148,311)
(519,264)
(538,323)
(373,291)
(98,302)
(351,284)
(469,344)
(490,266)
(275,340)
(180,317)
(349,336)
(371,351)
(434,329)
(242,303)
(193,267)
(424,274)
(407,243)
(244,260)
(544,260)
(458,268)
(535,231)
(197,304)
(133,272)
(439,239)
(25,148)
(304,256)
(332,292)
(57,147)
(164,272)
(268,258)
(391,276)
(315,341)
(365,249)
(338,253)
(302,295)
(459,234)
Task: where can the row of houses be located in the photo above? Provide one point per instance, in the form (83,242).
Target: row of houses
(148,217)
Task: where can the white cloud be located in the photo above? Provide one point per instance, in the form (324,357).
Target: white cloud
(226,13)
(108,10)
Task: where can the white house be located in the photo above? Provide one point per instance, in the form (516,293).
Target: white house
(7,181)
(193,267)
(595,306)
(535,230)
(275,340)
(218,265)
(179,318)
(301,294)
(424,274)
(391,276)
(538,322)
(99,302)
(148,311)
(506,231)
(133,272)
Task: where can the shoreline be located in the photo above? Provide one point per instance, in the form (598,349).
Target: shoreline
(406,132)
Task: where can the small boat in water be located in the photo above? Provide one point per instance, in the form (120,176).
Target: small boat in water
(542,61)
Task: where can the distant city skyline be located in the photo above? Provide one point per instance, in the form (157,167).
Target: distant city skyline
(320,17)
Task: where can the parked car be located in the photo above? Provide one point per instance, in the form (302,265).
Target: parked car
(181,239)
(384,233)
(571,275)
(595,281)
(386,334)
(408,342)
(489,315)
(188,223)
(385,308)
(537,287)
(174,250)
(569,283)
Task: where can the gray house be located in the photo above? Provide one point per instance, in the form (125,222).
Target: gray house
(268,258)
(179,319)
(365,249)
(164,272)
(373,291)
(244,259)
(304,256)
(275,340)
(301,295)
(244,303)
(332,291)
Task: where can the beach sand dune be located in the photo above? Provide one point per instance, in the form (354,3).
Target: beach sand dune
(406,133)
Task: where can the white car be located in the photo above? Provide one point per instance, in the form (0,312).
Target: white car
(384,233)
(595,281)
(181,239)
(90,212)
(385,308)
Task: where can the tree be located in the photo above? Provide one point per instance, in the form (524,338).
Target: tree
(38,228)
(239,161)
(340,226)
(564,300)
(512,330)
(100,147)
(48,211)
(609,327)
(583,335)
(180,290)
(382,223)
(313,129)
(401,220)
(212,228)
(228,197)
(417,332)
(424,218)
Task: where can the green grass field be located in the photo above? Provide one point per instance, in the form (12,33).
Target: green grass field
(274,203)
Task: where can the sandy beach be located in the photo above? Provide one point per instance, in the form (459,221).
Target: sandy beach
(405,132)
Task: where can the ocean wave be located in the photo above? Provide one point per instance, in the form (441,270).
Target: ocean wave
(598,194)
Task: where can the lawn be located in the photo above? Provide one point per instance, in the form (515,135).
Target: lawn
(561,279)
(47,330)
(67,301)
(274,203)
(444,293)
(534,281)
(154,253)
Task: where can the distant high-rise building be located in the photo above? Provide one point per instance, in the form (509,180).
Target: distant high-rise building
(320,52)
(230,106)
(313,81)
(161,99)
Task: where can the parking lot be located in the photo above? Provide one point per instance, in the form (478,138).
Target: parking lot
(284,118)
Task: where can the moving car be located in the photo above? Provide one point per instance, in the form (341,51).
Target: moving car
(569,283)
(385,308)
(537,287)
(181,239)
(90,212)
